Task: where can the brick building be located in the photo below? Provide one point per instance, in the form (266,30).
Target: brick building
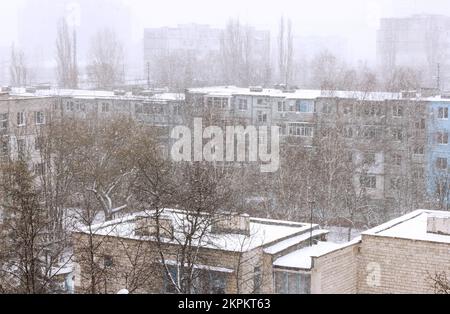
(235,255)
(400,256)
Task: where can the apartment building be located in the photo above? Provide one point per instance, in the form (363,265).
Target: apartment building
(20,120)
(23,111)
(438,148)
(385,133)
(398,140)
(172,54)
(421,42)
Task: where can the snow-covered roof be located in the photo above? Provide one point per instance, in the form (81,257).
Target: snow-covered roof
(280,246)
(412,226)
(225,91)
(93,94)
(262,231)
(302,258)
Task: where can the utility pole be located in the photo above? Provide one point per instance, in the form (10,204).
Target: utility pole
(148,75)
(438,77)
(74,61)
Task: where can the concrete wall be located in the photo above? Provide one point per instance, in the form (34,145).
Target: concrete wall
(391,265)
(335,272)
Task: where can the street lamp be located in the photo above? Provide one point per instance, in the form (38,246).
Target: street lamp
(311,209)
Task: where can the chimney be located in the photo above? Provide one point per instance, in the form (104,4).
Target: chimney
(146,226)
(232,223)
(438,224)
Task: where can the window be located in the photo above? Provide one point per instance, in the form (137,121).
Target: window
(176,110)
(326,108)
(370,132)
(368,182)
(4,147)
(257,280)
(242,104)
(369,159)
(38,143)
(281,106)
(298,129)
(39,169)
(350,157)
(418,150)
(348,109)
(348,132)
(168,286)
(372,110)
(157,109)
(4,121)
(105,107)
(292,283)
(442,138)
(420,125)
(262,116)
(138,108)
(259,101)
(397,159)
(417,174)
(20,118)
(396,183)
(215,283)
(304,106)
(70,106)
(397,134)
(441,163)
(205,281)
(224,103)
(21,145)
(39,117)
(442,113)
(108,261)
(397,110)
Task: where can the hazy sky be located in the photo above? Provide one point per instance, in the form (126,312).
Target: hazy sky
(356,20)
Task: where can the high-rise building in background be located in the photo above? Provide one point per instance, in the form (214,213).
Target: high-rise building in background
(5,54)
(37,29)
(421,42)
(175,53)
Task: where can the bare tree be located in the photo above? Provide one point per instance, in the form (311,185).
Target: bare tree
(285,51)
(66,62)
(106,65)
(440,282)
(18,69)
(27,258)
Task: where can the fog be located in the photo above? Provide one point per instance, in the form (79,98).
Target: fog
(347,27)
(355,20)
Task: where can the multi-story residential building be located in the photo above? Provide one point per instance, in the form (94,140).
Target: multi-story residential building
(421,42)
(398,139)
(385,133)
(23,111)
(172,54)
(438,149)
